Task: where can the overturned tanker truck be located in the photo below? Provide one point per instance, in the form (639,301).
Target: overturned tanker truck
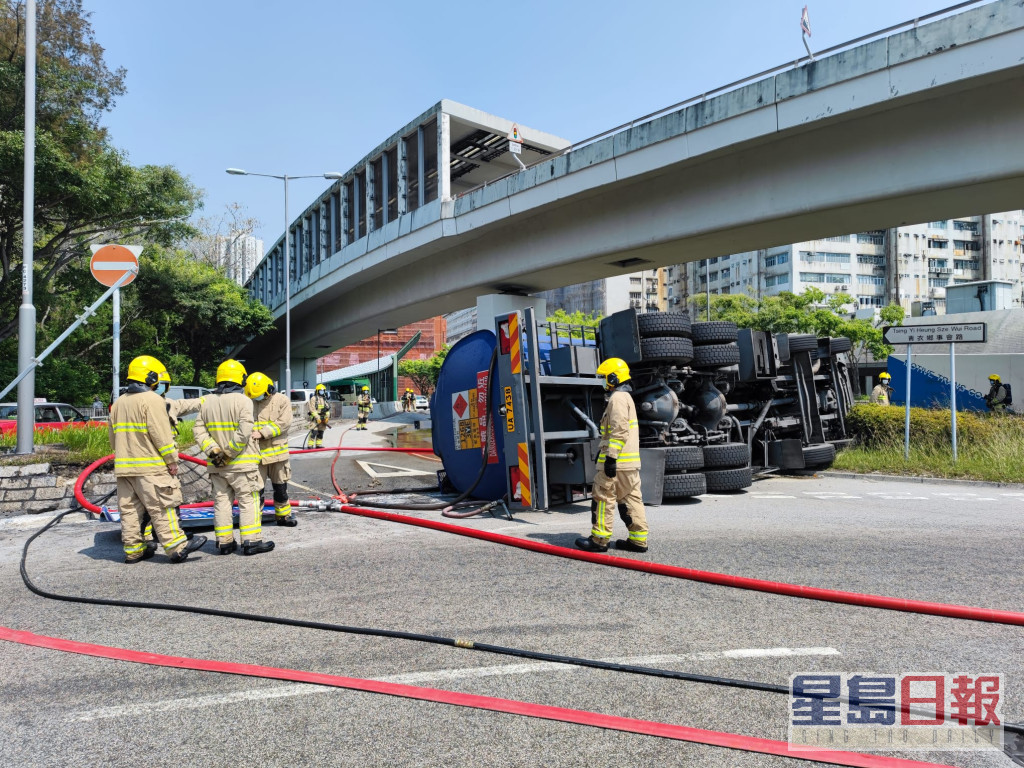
(515,411)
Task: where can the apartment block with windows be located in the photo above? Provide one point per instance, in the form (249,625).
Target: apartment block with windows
(903,265)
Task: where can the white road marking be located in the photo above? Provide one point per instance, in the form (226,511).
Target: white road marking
(399,471)
(887,497)
(830,496)
(771,496)
(411,678)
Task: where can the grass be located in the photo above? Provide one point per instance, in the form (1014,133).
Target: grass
(77,446)
(990,448)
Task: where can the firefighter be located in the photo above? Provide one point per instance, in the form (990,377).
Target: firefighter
(408,400)
(996,399)
(617,482)
(363,407)
(880,394)
(224,432)
(272,416)
(146,467)
(175,410)
(319,415)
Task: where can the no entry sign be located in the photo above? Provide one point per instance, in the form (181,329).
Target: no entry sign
(110,262)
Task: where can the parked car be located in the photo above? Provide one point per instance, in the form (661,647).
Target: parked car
(49,416)
(422,403)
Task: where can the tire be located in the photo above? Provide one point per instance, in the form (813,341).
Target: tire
(840,344)
(820,455)
(802,342)
(684,486)
(683,458)
(654,324)
(666,349)
(716,356)
(724,480)
(726,456)
(714,332)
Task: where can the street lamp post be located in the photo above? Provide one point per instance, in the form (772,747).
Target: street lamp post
(287,264)
(389,332)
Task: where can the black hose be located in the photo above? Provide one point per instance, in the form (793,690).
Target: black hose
(414,636)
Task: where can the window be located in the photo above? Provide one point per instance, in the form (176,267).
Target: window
(878,261)
(776,280)
(966,245)
(966,226)
(940,244)
(938,282)
(838,239)
(777,258)
(870,301)
(812,277)
(634,281)
(964,264)
(713,276)
(937,224)
(825,256)
(875,238)
(726,273)
(870,280)
(832,277)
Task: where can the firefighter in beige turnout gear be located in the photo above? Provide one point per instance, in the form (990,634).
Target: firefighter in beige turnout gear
(272,414)
(617,483)
(224,432)
(146,466)
(319,410)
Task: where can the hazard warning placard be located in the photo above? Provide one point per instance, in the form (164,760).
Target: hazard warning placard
(465,419)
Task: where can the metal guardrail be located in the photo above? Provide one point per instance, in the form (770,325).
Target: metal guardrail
(910,23)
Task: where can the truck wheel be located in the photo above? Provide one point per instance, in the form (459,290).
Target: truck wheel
(802,342)
(840,344)
(716,356)
(666,349)
(714,332)
(723,480)
(820,455)
(683,458)
(726,455)
(663,324)
(684,486)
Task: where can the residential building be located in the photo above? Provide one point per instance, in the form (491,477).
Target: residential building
(238,253)
(905,265)
(640,290)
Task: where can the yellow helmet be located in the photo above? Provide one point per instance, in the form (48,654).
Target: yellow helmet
(615,372)
(884,375)
(146,369)
(231,370)
(366,389)
(320,388)
(164,376)
(994,377)
(258,384)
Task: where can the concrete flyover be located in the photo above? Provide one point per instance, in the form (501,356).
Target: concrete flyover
(920,125)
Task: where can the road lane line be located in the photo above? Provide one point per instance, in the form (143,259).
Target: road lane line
(412,678)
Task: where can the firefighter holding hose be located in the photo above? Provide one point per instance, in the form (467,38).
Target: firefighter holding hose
(319,410)
(363,407)
(617,483)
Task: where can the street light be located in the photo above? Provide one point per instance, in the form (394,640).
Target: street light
(388,332)
(287,265)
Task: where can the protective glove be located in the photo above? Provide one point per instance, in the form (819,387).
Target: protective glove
(218,459)
(609,466)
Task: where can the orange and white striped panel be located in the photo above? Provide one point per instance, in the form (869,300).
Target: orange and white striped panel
(524,475)
(515,341)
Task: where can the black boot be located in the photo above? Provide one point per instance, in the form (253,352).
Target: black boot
(190,546)
(147,553)
(256,547)
(227,549)
(289,521)
(629,546)
(589,545)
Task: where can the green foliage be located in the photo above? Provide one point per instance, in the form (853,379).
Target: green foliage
(989,447)
(577,318)
(424,373)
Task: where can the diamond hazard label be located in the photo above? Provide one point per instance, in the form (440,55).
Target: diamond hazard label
(460,404)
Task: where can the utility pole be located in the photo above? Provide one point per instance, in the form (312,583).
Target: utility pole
(27,311)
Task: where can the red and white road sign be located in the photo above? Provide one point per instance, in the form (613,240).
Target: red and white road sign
(109,262)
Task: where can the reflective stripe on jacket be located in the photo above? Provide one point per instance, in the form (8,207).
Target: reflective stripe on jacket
(319,408)
(620,434)
(226,421)
(273,417)
(141,435)
(364,404)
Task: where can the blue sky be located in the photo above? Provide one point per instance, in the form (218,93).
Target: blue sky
(312,86)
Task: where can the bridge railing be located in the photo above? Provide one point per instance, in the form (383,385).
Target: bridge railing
(909,24)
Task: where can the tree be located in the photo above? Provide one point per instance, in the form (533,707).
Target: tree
(85,190)
(577,318)
(424,373)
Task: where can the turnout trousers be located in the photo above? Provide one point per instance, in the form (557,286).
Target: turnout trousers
(279,472)
(243,486)
(621,492)
(157,495)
